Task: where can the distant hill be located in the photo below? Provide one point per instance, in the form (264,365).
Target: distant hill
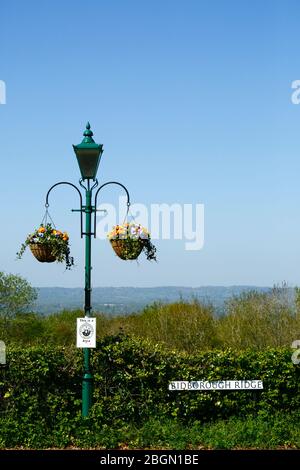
(124,300)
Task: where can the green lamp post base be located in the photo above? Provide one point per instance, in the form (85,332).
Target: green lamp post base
(87,393)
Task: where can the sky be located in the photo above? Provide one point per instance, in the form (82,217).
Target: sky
(192,101)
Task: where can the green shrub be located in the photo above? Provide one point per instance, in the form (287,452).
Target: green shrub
(40,392)
(180,325)
(132,377)
(252,321)
(280,430)
(259,320)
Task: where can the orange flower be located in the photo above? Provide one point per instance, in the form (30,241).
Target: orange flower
(41,230)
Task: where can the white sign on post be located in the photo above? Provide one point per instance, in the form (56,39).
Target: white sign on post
(2,353)
(86,332)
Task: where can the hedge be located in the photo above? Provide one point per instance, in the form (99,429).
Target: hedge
(43,385)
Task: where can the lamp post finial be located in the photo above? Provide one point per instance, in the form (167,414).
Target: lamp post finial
(88,132)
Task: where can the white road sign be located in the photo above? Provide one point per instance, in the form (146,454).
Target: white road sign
(86,332)
(205,385)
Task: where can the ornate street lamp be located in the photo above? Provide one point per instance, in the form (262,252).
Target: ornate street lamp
(88,155)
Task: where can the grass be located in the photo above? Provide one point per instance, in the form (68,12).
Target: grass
(280,431)
(252,432)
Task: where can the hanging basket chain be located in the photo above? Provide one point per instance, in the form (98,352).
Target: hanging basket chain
(47,217)
(128,213)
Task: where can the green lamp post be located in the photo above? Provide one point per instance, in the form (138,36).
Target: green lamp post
(88,155)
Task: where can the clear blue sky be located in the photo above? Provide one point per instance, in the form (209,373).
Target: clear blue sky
(192,101)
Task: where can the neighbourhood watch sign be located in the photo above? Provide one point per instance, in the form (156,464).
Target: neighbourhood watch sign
(86,332)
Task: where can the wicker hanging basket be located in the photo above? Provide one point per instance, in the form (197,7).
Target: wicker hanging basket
(42,253)
(128,249)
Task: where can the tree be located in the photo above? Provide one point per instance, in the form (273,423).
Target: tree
(16,295)
(297,299)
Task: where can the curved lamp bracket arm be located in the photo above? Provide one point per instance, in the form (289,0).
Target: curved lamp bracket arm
(96,195)
(82,185)
(88,188)
(94,185)
(80,197)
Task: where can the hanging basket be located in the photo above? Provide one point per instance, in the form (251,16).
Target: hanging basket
(42,252)
(128,249)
